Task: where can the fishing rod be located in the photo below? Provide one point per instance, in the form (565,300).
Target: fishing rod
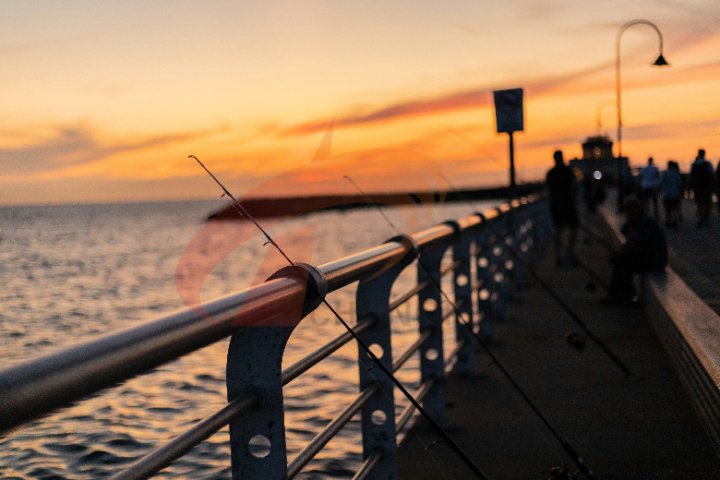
(495,160)
(242,211)
(555,296)
(577,460)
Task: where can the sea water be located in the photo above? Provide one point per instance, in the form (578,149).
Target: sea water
(71,273)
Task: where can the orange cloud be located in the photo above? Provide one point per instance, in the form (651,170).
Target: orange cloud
(73,146)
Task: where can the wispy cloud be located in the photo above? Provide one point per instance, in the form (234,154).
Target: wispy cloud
(71,146)
(459,100)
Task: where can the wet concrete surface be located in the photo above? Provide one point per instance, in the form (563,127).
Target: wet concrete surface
(640,426)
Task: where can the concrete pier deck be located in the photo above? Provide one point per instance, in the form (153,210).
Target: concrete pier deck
(640,426)
(695,254)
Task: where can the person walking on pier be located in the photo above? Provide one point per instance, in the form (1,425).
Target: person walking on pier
(562,192)
(671,184)
(649,183)
(702,183)
(644,250)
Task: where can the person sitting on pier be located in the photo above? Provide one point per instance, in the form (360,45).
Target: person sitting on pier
(644,251)
(562,192)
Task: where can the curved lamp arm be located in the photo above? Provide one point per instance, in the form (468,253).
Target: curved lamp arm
(659,62)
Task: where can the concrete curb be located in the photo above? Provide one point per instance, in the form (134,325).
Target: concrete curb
(690,333)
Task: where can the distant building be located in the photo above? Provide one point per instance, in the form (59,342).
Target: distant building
(598,159)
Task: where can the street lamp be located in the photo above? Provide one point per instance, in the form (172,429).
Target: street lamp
(659,62)
(599,108)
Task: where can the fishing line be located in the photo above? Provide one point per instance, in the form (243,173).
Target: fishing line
(555,296)
(435,425)
(495,160)
(577,460)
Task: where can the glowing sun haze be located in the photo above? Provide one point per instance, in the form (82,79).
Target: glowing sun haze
(104,101)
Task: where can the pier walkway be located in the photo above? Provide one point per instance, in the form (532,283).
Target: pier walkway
(640,426)
(695,254)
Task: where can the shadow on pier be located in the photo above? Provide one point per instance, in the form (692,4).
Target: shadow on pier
(641,426)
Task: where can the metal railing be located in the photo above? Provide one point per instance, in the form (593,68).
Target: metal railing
(259,321)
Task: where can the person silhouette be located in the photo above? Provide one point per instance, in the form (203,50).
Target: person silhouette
(671,184)
(702,183)
(562,189)
(649,183)
(644,250)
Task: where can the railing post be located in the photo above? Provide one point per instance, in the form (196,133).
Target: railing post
(483,272)
(432,359)
(463,300)
(521,254)
(540,227)
(254,364)
(498,255)
(378,413)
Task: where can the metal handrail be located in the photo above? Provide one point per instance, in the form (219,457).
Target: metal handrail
(367,466)
(52,381)
(327,433)
(405,356)
(419,287)
(59,379)
(312,359)
(409,410)
(161,457)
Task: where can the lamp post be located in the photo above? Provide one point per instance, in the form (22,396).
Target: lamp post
(659,62)
(599,108)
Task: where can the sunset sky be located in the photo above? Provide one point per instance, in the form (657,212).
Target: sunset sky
(104,101)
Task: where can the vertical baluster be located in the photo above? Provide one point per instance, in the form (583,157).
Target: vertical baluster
(519,255)
(483,273)
(254,363)
(497,260)
(463,300)
(432,361)
(378,414)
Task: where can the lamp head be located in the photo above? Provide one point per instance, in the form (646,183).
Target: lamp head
(661,62)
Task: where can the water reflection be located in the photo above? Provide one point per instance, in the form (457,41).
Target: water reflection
(71,273)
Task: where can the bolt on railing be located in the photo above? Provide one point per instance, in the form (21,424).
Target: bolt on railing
(261,319)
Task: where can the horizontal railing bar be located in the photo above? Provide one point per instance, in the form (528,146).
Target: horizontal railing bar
(352,268)
(59,379)
(161,457)
(397,364)
(345,271)
(306,363)
(433,235)
(455,306)
(327,433)
(454,353)
(404,297)
(450,267)
(368,466)
(449,313)
(52,381)
(407,412)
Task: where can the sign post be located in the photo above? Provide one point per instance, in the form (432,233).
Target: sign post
(509,118)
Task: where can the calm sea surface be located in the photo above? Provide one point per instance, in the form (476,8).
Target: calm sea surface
(70,273)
